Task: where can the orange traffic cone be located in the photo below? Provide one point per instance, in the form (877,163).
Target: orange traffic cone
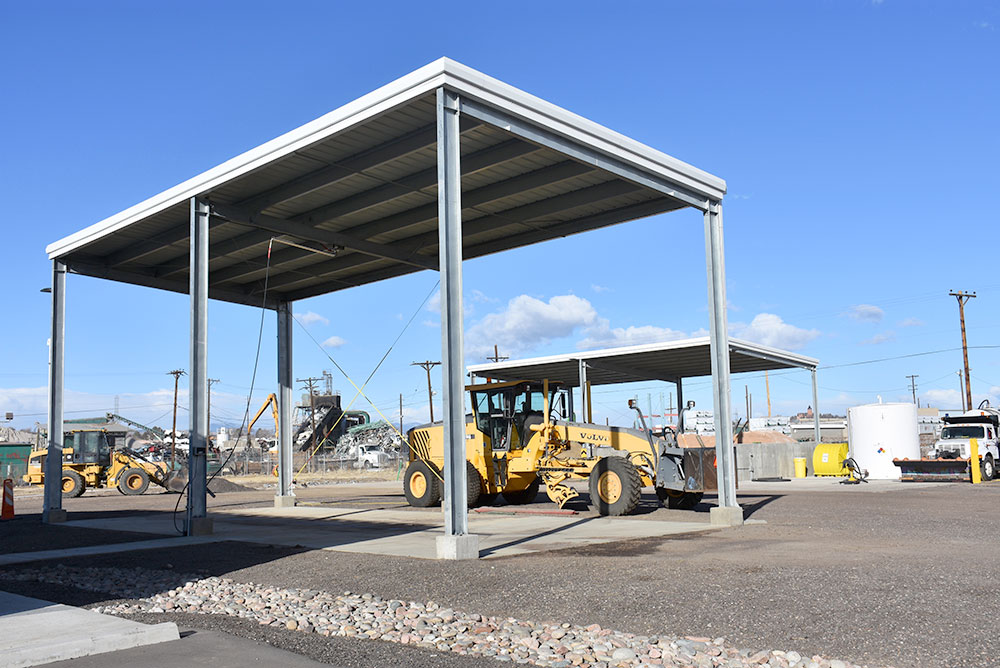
(7,513)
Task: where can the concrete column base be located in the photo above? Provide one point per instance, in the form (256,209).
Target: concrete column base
(458,547)
(726,516)
(284,501)
(54,516)
(200,526)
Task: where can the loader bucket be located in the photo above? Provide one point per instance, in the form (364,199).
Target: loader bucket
(176,480)
(933,470)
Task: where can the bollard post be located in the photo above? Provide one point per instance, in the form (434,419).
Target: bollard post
(974,468)
(7,509)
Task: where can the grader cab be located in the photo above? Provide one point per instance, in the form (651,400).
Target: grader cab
(520,437)
(91,459)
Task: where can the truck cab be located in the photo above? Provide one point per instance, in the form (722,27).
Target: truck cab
(983,425)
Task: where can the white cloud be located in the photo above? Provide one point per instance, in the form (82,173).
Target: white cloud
(942,398)
(985,25)
(599,288)
(527,322)
(865,313)
(602,335)
(310,318)
(912,322)
(881,337)
(334,342)
(770,330)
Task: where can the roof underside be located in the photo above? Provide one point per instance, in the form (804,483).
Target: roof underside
(668,361)
(356,192)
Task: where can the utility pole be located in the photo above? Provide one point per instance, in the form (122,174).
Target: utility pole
(211,382)
(310,384)
(960,388)
(746,391)
(962,298)
(176,373)
(400,415)
(913,385)
(496,355)
(427,366)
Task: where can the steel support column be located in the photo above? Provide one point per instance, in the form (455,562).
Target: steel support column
(452,362)
(680,405)
(584,407)
(817,434)
(52,510)
(284,495)
(719,336)
(197,516)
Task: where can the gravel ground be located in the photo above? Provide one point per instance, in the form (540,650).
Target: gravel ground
(426,625)
(892,578)
(25,533)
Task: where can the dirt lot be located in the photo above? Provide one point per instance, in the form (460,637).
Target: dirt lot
(900,577)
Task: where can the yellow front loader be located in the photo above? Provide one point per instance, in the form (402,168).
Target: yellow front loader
(91,460)
(519,438)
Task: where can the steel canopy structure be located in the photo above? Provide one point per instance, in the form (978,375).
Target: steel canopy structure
(670,361)
(441,165)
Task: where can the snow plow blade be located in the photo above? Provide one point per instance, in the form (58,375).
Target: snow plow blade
(933,470)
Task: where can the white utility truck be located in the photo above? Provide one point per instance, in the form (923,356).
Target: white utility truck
(982,424)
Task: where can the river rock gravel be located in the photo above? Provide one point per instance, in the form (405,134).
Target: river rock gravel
(426,625)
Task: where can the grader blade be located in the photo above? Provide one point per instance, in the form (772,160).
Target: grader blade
(933,470)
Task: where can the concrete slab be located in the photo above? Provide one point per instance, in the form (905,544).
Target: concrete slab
(37,632)
(153,544)
(198,649)
(830,484)
(409,533)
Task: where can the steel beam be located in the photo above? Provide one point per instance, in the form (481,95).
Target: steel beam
(624,369)
(284,495)
(783,362)
(680,406)
(197,517)
(521,216)
(719,336)
(135,251)
(452,360)
(302,231)
(230,294)
(817,433)
(581,152)
(52,510)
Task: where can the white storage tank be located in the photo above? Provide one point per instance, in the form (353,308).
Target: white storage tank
(879,433)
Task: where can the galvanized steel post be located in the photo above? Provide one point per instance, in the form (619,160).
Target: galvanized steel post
(284,496)
(816,430)
(452,363)
(52,510)
(197,517)
(680,405)
(719,335)
(584,405)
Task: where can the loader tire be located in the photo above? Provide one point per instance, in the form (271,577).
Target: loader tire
(73,484)
(615,486)
(421,484)
(133,481)
(521,497)
(989,469)
(473,483)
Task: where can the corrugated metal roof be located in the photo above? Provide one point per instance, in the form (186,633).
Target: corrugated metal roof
(368,171)
(667,361)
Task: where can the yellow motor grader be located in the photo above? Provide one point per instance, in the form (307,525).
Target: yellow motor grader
(519,438)
(90,459)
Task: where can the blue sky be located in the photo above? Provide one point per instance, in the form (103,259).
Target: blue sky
(858,140)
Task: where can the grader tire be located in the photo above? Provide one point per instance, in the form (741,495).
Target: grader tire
(615,486)
(421,484)
(473,483)
(521,497)
(73,484)
(133,481)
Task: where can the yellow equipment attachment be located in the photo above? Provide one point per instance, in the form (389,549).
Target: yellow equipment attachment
(519,437)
